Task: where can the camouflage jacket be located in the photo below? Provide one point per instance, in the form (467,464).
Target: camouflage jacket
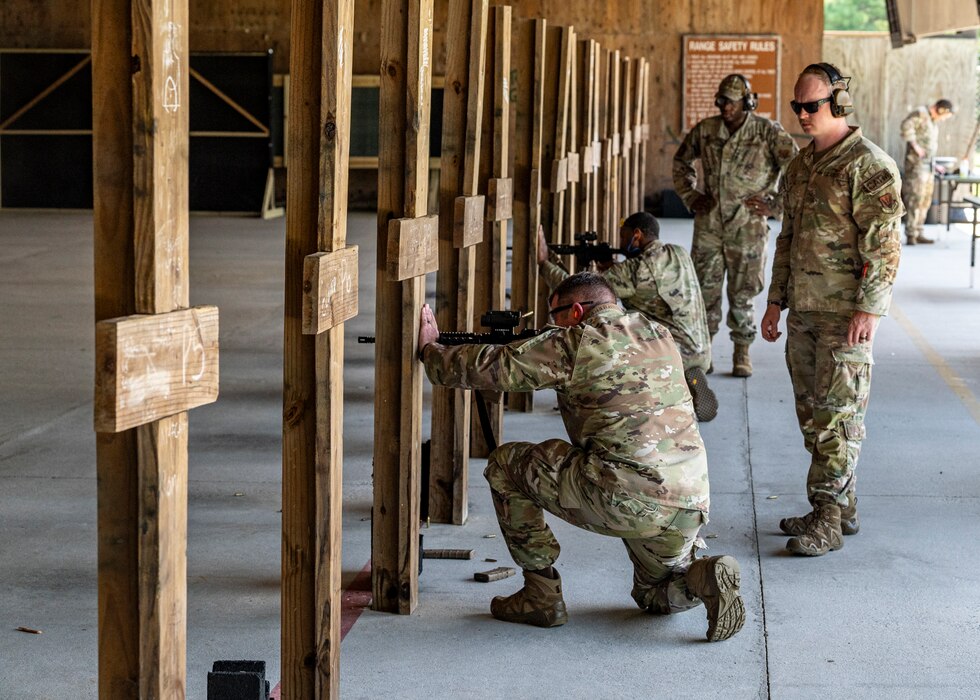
(736,166)
(621,392)
(918,127)
(839,247)
(660,282)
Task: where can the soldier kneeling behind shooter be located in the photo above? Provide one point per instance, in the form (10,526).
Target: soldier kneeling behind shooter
(658,279)
(635,468)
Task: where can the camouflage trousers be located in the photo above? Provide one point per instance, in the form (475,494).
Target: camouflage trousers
(527,479)
(831,383)
(917,186)
(695,352)
(740,254)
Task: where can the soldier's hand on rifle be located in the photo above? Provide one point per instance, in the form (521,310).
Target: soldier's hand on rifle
(428,329)
(542,246)
(702,203)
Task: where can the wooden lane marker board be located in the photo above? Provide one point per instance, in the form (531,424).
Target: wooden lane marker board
(560,170)
(605,148)
(403,175)
(320,295)
(460,227)
(491,254)
(636,194)
(140,74)
(527,67)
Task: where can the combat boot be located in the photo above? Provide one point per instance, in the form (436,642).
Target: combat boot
(705,401)
(539,603)
(741,364)
(715,580)
(822,533)
(850,524)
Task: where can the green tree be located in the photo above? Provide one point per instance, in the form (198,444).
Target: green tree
(855,15)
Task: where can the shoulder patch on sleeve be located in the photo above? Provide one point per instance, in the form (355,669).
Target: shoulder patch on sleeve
(877,181)
(889,202)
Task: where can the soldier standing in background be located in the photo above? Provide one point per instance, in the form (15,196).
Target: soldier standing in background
(742,155)
(835,264)
(920,131)
(635,467)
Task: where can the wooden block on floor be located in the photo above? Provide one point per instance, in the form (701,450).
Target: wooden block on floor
(329,289)
(413,247)
(468,228)
(152,366)
(500,199)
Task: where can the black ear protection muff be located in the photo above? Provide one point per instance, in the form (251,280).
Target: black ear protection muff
(750,100)
(841,103)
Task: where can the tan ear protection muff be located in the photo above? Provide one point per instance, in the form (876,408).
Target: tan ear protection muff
(750,100)
(841,103)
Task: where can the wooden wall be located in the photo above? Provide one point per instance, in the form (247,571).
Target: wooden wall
(889,83)
(650,28)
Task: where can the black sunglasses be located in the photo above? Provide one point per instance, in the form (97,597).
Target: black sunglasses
(566,307)
(810,107)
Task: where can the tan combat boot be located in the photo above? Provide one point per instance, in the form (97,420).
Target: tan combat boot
(741,364)
(539,603)
(715,580)
(850,523)
(822,533)
(705,401)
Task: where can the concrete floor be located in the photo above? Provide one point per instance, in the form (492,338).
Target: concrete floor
(892,615)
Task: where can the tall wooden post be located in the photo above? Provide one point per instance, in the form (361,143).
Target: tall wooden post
(586,111)
(320,294)
(168,352)
(407,250)
(605,147)
(615,145)
(528,76)
(559,171)
(644,131)
(572,204)
(491,254)
(626,131)
(460,229)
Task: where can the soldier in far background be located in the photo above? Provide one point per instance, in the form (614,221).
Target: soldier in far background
(920,131)
(741,155)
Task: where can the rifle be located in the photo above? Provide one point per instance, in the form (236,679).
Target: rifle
(501,325)
(587,249)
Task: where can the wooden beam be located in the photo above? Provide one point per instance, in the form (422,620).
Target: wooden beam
(152,366)
(527,64)
(461,111)
(645,132)
(117,464)
(626,130)
(559,180)
(404,103)
(615,145)
(320,294)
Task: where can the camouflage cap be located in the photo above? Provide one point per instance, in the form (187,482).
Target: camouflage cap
(733,87)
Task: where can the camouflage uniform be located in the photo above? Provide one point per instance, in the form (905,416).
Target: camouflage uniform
(636,466)
(728,237)
(918,127)
(837,253)
(661,283)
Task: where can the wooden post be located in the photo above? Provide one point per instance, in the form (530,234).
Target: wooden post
(403,176)
(626,132)
(140,74)
(320,294)
(586,113)
(559,173)
(574,170)
(491,254)
(458,194)
(528,86)
(615,145)
(636,199)
(644,132)
(605,146)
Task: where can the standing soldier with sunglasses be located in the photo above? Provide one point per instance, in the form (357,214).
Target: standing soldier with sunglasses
(835,264)
(742,155)
(634,466)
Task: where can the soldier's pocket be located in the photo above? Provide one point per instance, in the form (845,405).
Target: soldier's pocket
(639,517)
(851,380)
